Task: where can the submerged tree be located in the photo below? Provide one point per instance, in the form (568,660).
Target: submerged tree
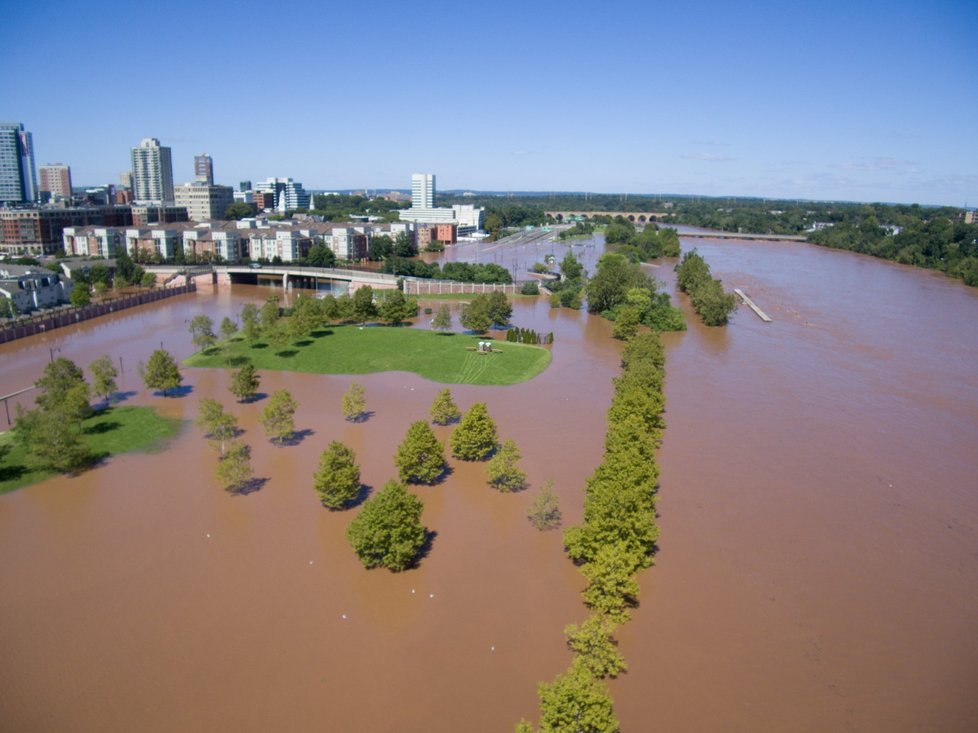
(544,511)
(596,648)
(278,417)
(202,331)
(104,374)
(161,372)
(244,383)
(219,425)
(474,438)
(575,702)
(354,403)
(420,458)
(443,318)
(388,531)
(234,469)
(337,482)
(444,411)
(502,470)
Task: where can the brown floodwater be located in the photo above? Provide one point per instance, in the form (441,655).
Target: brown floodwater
(818,567)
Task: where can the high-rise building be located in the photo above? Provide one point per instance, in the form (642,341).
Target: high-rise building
(244,185)
(152,172)
(125,179)
(18,178)
(204,169)
(422,190)
(55,180)
(204,202)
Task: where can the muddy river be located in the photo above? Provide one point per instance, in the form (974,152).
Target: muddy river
(818,567)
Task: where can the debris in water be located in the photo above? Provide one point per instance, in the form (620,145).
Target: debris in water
(343,617)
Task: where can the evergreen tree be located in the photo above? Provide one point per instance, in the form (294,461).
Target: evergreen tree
(502,470)
(354,403)
(444,411)
(387,532)
(337,482)
(234,469)
(544,511)
(420,458)
(443,318)
(278,417)
(474,438)
(596,649)
(244,383)
(161,372)
(104,374)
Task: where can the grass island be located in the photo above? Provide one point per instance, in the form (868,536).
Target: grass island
(450,358)
(107,432)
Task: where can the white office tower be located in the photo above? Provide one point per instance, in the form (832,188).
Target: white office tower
(152,173)
(422,190)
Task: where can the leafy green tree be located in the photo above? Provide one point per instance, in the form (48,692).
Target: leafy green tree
(420,458)
(228,328)
(395,308)
(597,650)
(502,470)
(626,323)
(571,268)
(321,256)
(270,314)
(404,245)
(238,210)
(80,296)
(278,417)
(354,403)
(52,439)
(443,318)
(161,372)
(474,438)
(103,375)
(363,304)
(250,321)
(219,425)
(62,388)
(307,316)
(8,310)
(147,280)
(544,511)
(234,469)
(612,588)
(575,702)
(475,315)
(444,411)
(337,482)
(380,247)
(499,308)
(387,532)
(610,285)
(202,331)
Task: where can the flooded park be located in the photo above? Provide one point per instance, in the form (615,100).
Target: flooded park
(817,566)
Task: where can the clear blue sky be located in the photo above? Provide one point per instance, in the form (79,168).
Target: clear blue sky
(867,101)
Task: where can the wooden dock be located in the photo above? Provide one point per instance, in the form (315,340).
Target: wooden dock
(750,304)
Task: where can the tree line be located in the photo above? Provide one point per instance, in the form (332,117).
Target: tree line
(616,540)
(706,293)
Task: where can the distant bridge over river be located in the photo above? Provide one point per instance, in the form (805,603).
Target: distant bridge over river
(284,274)
(638,217)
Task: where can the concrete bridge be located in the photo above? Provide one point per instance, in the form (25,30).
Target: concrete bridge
(285,273)
(638,217)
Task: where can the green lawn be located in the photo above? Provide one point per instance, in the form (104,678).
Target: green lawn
(353,350)
(112,431)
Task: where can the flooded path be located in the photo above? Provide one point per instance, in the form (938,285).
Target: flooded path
(819,554)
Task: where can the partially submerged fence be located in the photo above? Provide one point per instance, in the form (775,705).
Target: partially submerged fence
(49,320)
(418,286)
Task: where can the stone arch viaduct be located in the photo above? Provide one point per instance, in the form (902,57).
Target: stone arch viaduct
(638,217)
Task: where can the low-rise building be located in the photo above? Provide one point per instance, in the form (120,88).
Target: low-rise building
(39,230)
(31,290)
(92,241)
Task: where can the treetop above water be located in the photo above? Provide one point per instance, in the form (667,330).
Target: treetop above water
(446,358)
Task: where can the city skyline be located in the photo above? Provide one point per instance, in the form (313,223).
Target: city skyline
(859,101)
